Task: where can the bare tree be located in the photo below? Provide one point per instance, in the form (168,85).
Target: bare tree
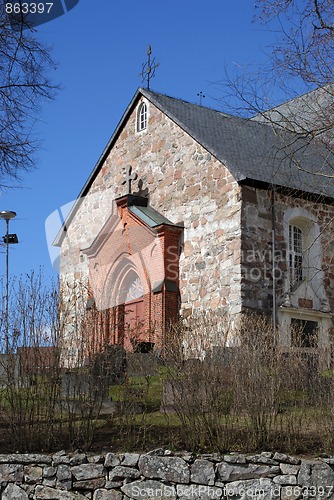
(24,67)
(306,43)
(301,60)
(293,91)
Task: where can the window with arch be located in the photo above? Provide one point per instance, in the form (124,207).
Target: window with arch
(142,117)
(304,249)
(135,289)
(296,254)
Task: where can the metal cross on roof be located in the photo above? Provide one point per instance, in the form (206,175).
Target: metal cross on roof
(201,97)
(129,177)
(148,68)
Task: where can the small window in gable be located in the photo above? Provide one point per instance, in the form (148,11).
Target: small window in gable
(142,117)
(296,254)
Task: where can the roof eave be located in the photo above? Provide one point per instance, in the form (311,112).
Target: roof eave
(297,193)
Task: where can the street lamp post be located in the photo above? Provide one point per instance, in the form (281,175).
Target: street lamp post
(8,239)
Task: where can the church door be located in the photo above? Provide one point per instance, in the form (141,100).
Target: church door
(133,327)
(133,323)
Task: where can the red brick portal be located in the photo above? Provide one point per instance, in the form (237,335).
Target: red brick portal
(134,275)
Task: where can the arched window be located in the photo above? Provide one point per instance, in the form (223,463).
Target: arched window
(142,117)
(134,289)
(304,316)
(304,249)
(296,254)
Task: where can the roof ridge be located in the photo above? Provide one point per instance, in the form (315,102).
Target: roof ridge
(299,97)
(155,93)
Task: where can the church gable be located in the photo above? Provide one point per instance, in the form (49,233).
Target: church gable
(184,183)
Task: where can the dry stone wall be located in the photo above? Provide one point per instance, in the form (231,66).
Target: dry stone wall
(160,475)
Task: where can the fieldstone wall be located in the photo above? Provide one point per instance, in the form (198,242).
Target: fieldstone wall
(314,296)
(160,475)
(256,250)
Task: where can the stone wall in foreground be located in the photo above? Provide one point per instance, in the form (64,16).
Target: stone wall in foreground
(160,475)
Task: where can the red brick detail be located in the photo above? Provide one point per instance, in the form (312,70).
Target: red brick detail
(150,254)
(306,303)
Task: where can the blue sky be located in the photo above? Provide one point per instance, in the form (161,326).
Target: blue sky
(100,47)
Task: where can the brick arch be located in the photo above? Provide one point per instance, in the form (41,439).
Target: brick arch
(130,312)
(119,278)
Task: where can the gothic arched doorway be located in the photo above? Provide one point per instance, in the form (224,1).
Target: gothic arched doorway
(126,300)
(133,311)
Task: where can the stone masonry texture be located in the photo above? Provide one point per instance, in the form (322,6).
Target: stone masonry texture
(161,474)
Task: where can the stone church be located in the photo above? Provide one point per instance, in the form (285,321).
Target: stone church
(191,209)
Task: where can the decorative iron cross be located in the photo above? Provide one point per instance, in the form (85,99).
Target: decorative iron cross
(129,177)
(148,68)
(201,97)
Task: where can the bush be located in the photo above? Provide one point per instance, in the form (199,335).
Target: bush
(247,392)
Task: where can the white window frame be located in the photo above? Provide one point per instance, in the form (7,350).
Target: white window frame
(307,251)
(142,117)
(311,286)
(286,314)
(296,254)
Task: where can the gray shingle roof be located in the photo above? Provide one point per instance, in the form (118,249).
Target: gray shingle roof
(253,150)
(308,113)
